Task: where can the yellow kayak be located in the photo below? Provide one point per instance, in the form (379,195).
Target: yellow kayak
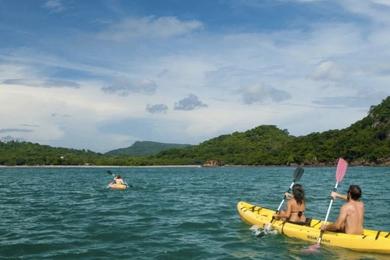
(115,186)
(371,241)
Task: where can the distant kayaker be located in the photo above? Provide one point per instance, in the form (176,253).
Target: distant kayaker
(351,216)
(295,206)
(118,180)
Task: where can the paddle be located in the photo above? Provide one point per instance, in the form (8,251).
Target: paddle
(340,173)
(296,177)
(110,172)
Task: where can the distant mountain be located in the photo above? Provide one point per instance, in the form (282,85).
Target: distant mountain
(145,148)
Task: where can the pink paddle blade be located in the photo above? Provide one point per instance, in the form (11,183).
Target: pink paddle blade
(341,169)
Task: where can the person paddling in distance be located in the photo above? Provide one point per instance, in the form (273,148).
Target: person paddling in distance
(351,216)
(295,206)
(118,180)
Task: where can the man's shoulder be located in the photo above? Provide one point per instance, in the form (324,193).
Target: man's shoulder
(352,205)
(361,203)
(346,206)
(356,202)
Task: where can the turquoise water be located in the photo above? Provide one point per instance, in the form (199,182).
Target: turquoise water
(169,213)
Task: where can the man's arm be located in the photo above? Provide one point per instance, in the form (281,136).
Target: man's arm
(339,224)
(336,195)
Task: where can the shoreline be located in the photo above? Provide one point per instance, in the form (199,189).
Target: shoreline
(176,166)
(99,166)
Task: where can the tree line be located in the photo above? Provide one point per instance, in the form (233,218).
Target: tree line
(366,142)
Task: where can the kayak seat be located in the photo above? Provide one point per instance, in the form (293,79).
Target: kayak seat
(303,223)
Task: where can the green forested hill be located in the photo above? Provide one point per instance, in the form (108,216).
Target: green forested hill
(26,153)
(145,148)
(21,153)
(262,144)
(366,142)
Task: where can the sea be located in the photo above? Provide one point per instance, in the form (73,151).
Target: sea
(169,212)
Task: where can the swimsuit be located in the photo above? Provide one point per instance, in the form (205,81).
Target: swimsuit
(300,213)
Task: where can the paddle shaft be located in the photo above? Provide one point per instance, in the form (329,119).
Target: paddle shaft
(284,198)
(327,213)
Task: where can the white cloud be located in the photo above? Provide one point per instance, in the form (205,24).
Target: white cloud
(124,86)
(260,94)
(328,70)
(10,70)
(65,116)
(149,27)
(376,10)
(23,105)
(55,6)
(25,62)
(381,2)
(15,130)
(51,83)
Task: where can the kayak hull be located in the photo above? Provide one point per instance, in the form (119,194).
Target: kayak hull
(371,240)
(117,186)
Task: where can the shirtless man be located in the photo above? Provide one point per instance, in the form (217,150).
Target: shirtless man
(351,217)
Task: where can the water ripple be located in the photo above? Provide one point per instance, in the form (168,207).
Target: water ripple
(170,213)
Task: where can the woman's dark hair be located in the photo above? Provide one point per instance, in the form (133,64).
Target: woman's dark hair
(298,193)
(118,177)
(354,192)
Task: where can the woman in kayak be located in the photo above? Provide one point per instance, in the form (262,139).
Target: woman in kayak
(295,206)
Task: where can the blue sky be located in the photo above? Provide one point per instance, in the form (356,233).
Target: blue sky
(101,74)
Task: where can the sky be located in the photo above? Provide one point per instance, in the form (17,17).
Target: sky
(102,74)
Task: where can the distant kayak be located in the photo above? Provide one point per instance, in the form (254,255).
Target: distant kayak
(371,241)
(115,186)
